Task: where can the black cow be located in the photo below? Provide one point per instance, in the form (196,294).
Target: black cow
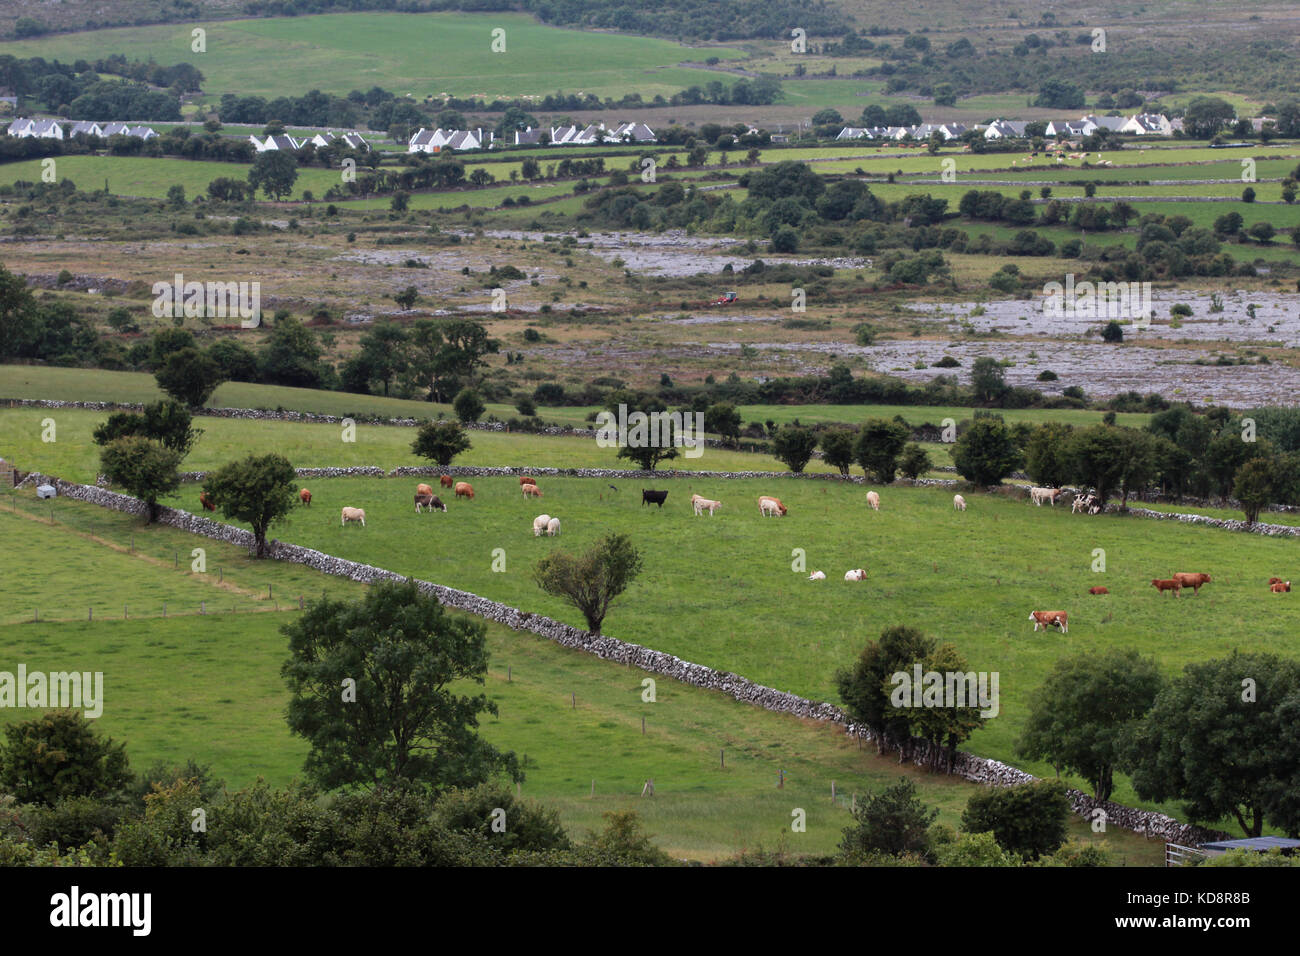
(432,502)
(655,497)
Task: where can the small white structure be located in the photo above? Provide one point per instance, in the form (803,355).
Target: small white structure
(46,491)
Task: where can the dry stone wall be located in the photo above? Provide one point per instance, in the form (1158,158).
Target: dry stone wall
(966,765)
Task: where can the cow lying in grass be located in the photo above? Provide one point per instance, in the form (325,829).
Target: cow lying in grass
(857,574)
(1280,587)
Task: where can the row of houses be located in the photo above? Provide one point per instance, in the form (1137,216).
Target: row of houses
(1143,124)
(52,129)
(436,140)
(282,141)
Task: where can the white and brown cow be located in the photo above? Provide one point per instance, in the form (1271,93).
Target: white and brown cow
(1046,619)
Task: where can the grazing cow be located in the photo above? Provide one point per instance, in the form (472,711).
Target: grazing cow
(305,497)
(767,506)
(206,500)
(817,576)
(857,574)
(530,491)
(464,490)
(423,489)
(525,480)
(445,481)
(958,503)
(539,525)
(1045,619)
(1280,587)
(1039,495)
(432,502)
(873,499)
(1167,584)
(553,527)
(1098,590)
(1194,581)
(354,514)
(653,497)
(702,504)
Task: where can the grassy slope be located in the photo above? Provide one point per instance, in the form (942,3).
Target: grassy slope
(209,688)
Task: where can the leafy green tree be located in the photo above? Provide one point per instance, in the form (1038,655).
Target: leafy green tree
(237,362)
(988,380)
(384,351)
(592,580)
(915,462)
(468,405)
(893,821)
(1255,487)
(371,686)
(58,755)
(528,825)
(168,422)
(189,376)
(865,688)
(878,444)
(167,341)
(1028,820)
(1223,740)
(1080,715)
(624,843)
(793,446)
(1095,457)
(1045,454)
(837,448)
(986,452)
(440,442)
(144,468)
(259,491)
(19,321)
(1112,332)
(291,354)
(1205,116)
(723,419)
(974,849)
(274,172)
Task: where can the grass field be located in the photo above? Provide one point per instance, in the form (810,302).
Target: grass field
(208,688)
(337,53)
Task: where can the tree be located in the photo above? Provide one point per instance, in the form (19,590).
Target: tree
(274,172)
(986,452)
(592,580)
(384,352)
(1060,95)
(1029,819)
(291,355)
(407,297)
(865,688)
(877,447)
(144,468)
(1254,487)
(1222,739)
(915,462)
(440,442)
(259,490)
(988,380)
(1112,332)
(1095,458)
(1080,716)
(1045,460)
(371,684)
(837,448)
(59,755)
(19,321)
(168,422)
(893,821)
(530,826)
(1207,115)
(723,419)
(793,446)
(468,405)
(189,376)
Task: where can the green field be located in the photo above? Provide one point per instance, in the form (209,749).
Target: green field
(208,688)
(420,55)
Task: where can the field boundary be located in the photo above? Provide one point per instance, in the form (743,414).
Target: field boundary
(966,765)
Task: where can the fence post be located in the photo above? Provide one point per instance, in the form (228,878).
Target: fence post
(90,614)
(722,759)
(176,559)
(575,701)
(507,673)
(219,576)
(203,607)
(832,793)
(164,608)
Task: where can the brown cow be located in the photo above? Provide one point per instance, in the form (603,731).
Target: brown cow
(464,490)
(1170,584)
(1274,580)
(1194,581)
(1046,619)
(445,480)
(525,480)
(530,491)
(206,501)
(305,497)
(1280,587)
(1098,590)
(424,490)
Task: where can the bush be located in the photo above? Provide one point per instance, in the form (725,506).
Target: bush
(468,405)
(1028,820)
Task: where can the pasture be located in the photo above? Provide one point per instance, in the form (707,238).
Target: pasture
(721,591)
(208,688)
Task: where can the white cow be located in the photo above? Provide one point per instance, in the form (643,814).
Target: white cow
(817,576)
(702,504)
(873,499)
(958,503)
(553,527)
(353,514)
(539,525)
(857,574)
(1039,495)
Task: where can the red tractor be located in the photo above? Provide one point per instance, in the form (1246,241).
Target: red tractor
(727,298)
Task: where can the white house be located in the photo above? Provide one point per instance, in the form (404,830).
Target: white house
(145,133)
(1070,128)
(635,132)
(321,140)
(1006,129)
(434,141)
(1148,124)
(116,129)
(42,129)
(1112,123)
(84,128)
(277,142)
(353,140)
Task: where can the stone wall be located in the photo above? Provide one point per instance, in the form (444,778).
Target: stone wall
(966,765)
